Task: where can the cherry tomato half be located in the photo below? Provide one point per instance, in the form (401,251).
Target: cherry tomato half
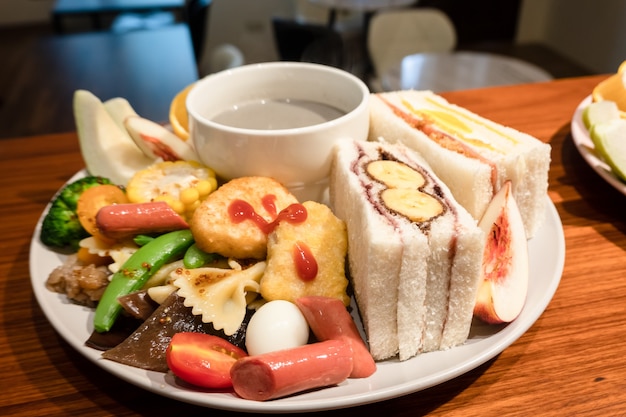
(202,359)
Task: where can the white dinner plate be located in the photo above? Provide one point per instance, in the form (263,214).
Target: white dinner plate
(585,146)
(392,378)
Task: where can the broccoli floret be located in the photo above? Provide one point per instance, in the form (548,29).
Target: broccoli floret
(60,227)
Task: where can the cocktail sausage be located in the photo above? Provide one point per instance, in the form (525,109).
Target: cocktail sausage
(284,372)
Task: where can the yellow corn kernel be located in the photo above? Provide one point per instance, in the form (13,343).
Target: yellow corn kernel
(181,184)
(189,195)
(178,207)
(206,187)
(193,206)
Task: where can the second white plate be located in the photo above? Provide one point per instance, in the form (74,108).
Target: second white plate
(585,146)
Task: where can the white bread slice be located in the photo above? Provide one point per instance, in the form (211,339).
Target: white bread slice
(415,282)
(375,273)
(472,155)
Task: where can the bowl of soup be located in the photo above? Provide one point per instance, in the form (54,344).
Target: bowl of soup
(277,119)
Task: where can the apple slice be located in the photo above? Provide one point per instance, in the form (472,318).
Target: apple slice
(600,112)
(609,139)
(502,292)
(106,149)
(158,142)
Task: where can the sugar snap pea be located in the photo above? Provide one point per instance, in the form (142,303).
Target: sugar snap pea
(136,271)
(196,257)
(141,240)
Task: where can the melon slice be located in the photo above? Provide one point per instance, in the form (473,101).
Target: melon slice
(119,108)
(107,150)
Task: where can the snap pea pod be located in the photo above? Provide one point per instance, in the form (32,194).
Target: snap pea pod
(136,271)
(141,240)
(196,257)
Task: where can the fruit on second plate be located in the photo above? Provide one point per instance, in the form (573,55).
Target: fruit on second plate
(504,286)
(600,112)
(609,139)
(613,88)
(107,150)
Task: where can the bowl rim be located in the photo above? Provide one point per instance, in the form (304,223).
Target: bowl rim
(361,106)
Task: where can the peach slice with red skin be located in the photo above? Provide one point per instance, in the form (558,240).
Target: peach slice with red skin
(504,286)
(157,141)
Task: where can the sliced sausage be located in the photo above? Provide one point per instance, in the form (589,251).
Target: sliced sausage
(329,319)
(121,220)
(284,372)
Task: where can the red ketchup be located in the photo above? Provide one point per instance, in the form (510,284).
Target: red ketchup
(240,210)
(305,262)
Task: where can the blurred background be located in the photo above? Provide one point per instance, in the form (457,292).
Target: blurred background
(148,50)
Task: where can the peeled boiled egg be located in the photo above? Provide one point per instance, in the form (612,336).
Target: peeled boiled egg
(276,325)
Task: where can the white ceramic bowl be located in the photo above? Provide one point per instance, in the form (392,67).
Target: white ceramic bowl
(269,144)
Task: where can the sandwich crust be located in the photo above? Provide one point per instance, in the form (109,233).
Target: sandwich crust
(415,276)
(472,155)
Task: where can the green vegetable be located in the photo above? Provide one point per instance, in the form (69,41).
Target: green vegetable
(142,240)
(60,227)
(138,269)
(196,257)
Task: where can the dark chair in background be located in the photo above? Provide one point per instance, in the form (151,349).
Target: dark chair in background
(196,14)
(261,30)
(298,41)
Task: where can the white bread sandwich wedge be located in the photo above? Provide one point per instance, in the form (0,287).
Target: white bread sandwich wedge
(474,156)
(414,253)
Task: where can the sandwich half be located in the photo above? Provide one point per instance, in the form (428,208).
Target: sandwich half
(414,253)
(472,155)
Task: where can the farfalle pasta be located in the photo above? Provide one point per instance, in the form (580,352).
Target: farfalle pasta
(219,295)
(119,252)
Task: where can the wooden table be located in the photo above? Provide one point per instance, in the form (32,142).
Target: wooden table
(459,70)
(570,362)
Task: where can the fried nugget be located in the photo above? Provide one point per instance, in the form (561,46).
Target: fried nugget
(326,237)
(230,220)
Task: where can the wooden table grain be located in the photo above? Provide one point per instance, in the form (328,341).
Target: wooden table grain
(572,361)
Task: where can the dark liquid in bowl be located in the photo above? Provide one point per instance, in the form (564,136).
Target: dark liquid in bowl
(278,114)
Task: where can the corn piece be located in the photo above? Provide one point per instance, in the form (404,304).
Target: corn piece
(181,184)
